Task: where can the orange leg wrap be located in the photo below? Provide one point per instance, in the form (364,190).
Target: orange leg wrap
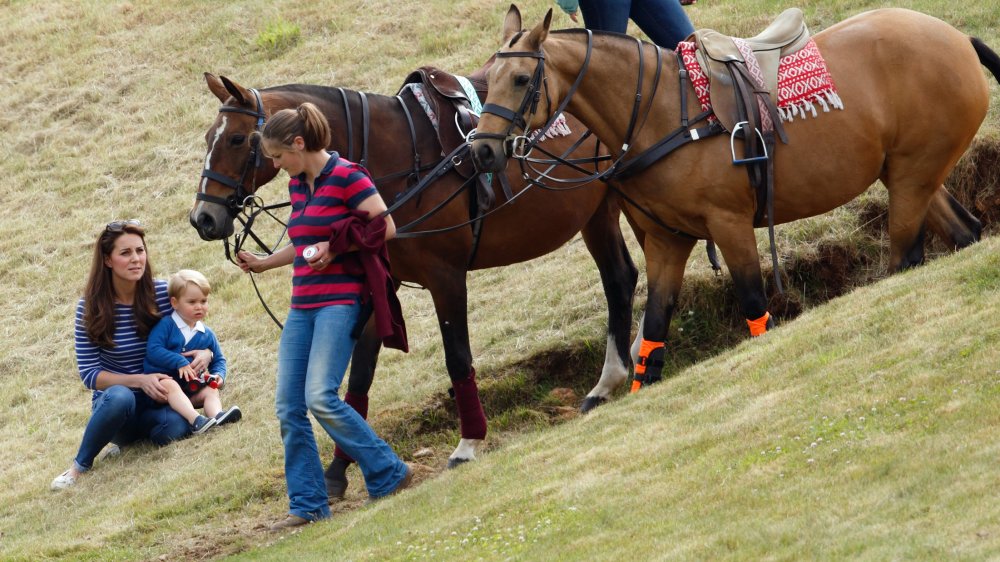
(758,327)
(645,349)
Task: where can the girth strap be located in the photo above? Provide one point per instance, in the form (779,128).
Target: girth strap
(413,139)
(350,127)
(365,118)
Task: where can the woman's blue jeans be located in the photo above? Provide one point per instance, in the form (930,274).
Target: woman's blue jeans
(122,415)
(315,348)
(664,21)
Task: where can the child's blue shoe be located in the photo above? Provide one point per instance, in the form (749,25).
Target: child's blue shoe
(202,424)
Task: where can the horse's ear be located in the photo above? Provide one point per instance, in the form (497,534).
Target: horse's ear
(239,92)
(511,23)
(216,86)
(540,32)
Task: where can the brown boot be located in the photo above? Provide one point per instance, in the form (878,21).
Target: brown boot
(290,521)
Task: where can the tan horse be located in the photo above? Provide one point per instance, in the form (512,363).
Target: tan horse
(914,95)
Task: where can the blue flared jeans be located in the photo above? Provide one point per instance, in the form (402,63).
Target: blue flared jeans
(315,348)
(123,415)
(664,21)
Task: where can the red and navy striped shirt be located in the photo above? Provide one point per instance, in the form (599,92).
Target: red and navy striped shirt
(338,189)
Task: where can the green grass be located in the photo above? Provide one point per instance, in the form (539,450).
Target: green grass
(278,37)
(106,111)
(865,429)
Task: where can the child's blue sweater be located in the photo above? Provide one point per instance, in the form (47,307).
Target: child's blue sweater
(166,343)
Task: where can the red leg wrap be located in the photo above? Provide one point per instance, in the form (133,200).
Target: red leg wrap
(471,419)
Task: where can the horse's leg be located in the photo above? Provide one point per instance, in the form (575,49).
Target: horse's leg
(911,189)
(449,292)
(603,237)
(735,238)
(952,222)
(666,258)
(363,362)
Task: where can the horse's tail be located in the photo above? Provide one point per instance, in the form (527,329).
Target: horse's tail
(987,57)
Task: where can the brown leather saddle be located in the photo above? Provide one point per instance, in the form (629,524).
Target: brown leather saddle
(717,53)
(450,103)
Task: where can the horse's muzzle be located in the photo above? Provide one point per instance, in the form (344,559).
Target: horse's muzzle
(208,227)
(488,155)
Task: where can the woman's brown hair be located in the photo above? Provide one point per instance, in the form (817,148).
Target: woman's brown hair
(99,294)
(305,121)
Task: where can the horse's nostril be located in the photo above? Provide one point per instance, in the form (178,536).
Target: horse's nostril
(205,224)
(485,156)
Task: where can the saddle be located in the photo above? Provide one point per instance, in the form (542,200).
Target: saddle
(717,53)
(450,103)
(744,97)
(453,108)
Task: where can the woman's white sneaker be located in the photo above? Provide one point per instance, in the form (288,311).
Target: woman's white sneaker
(63,481)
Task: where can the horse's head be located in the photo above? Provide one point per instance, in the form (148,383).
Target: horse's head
(518,98)
(234,164)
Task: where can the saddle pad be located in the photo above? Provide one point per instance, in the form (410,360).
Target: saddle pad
(558,129)
(803,81)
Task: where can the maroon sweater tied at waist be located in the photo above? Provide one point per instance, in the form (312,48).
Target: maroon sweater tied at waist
(372,261)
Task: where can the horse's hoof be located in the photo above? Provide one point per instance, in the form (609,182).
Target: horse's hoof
(452,463)
(591,402)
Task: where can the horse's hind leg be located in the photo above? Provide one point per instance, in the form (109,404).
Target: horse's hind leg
(666,258)
(603,237)
(363,362)
(952,222)
(910,197)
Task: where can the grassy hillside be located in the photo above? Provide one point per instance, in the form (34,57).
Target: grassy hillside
(864,430)
(106,111)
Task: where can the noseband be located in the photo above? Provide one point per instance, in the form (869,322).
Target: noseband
(238,200)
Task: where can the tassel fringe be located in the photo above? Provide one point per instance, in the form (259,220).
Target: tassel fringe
(804,108)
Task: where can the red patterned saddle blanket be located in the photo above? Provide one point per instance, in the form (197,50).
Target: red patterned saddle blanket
(803,80)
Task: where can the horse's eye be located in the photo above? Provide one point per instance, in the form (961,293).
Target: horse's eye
(237,140)
(521,80)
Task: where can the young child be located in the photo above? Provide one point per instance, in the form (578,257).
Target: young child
(184,331)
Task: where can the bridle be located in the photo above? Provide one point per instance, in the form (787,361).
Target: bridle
(520,146)
(242,205)
(239,199)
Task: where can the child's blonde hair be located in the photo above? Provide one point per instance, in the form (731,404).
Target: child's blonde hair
(180,280)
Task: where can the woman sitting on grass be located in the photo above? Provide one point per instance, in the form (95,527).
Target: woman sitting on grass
(120,306)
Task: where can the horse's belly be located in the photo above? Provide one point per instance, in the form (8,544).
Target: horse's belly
(825,165)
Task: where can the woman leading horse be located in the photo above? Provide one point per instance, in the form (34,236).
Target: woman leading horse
(914,95)
(392,136)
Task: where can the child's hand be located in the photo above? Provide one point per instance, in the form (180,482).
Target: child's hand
(187,373)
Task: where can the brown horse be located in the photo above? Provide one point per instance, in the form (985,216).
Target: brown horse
(914,95)
(395,139)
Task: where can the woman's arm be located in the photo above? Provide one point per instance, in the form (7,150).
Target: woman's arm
(251,262)
(148,383)
(375,206)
